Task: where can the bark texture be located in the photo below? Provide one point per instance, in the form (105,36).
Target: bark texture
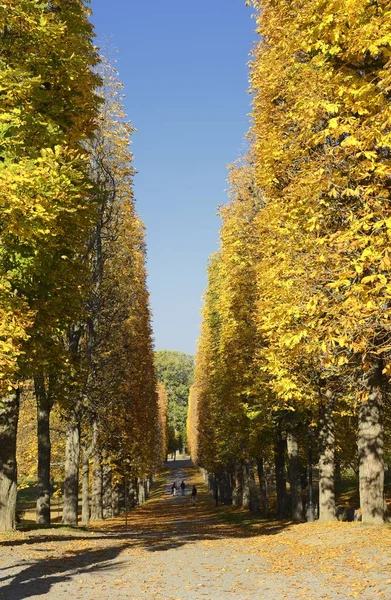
(225,487)
(264,501)
(216,489)
(9,414)
(279,464)
(44,401)
(140,492)
(250,495)
(85,477)
(116,501)
(370,450)
(327,508)
(96,485)
(71,476)
(294,475)
(237,493)
(107,498)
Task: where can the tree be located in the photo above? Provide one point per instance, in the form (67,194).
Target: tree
(322,154)
(49,105)
(175,370)
(123,411)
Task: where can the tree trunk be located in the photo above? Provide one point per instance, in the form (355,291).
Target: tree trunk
(294,475)
(133,493)
(145,489)
(237,494)
(326,460)
(216,489)
(279,463)
(116,501)
(263,489)
(97,484)
(107,498)
(210,483)
(85,495)
(9,414)
(250,495)
(246,494)
(140,492)
(71,476)
(370,450)
(44,406)
(225,488)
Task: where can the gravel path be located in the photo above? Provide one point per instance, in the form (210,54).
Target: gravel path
(171,550)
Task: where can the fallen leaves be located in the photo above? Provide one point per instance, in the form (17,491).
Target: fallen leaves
(171,552)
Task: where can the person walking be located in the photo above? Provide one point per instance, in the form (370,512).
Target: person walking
(193,495)
(174,488)
(183,487)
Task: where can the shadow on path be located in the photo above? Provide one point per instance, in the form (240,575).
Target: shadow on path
(168,521)
(163,523)
(38,577)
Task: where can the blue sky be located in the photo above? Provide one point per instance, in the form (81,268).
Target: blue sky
(184,67)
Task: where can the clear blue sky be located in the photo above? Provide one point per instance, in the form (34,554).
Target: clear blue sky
(184,67)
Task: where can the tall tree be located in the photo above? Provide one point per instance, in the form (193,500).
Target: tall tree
(49,106)
(122,416)
(322,158)
(175,370)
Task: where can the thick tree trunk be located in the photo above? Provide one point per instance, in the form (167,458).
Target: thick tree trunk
(216,489)
(107,496)
(326,460)
(96,489)
(85,494)
(246,494)
(72,448)
(250,495)
(148,483)
(116,501)
(9,414)
(279,463)
(263,489)
(133,493)
(294,475)
(237,493)
(145,489)
(140,492)
(370,450)
(44,406)
(225,488)
(97,484)
(71,476)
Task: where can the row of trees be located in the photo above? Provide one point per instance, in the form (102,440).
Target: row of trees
(175,372)
(75,318)
(295,341)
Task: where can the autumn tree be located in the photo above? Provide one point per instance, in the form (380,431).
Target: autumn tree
(229,326)
(122,413)
(49,106)
(163,422)
(175,370)
(322,159)
(318,309)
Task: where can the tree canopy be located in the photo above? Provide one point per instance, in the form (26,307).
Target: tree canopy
(175,370)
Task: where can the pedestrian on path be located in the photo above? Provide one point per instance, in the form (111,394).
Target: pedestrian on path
(174,488)
(193,495)
(183,487)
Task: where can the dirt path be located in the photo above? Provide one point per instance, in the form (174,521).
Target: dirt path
(171,550)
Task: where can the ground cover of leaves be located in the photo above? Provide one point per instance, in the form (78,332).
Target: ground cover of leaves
(170,550)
